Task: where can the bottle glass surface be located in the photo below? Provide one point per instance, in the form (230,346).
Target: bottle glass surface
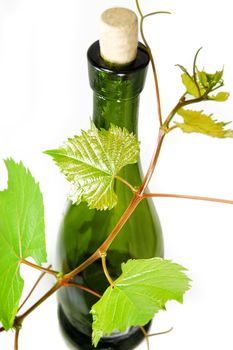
(116,100)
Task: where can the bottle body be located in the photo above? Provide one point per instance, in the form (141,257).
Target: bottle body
(116,99)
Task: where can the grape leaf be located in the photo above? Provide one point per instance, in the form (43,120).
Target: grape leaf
(190,85)
(142,290)
(21,235)
(203,79)
(210,80)
(202,83)
(196,121)
(90,162)
(220,97)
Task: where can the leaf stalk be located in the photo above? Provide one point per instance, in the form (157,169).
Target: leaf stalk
(105,269)
(200,198)
(182,103)
(40,268)
(119,178)
(80,286)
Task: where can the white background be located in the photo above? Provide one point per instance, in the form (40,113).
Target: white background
(45,98)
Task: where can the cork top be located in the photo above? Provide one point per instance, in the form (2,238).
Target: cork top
(118,35)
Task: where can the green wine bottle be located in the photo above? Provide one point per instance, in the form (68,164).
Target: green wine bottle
(116,100)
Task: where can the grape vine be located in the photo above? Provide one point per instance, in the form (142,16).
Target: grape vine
(22,200)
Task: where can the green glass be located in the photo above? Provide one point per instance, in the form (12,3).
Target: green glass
(116,100)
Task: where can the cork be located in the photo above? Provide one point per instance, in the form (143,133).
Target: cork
(118,35)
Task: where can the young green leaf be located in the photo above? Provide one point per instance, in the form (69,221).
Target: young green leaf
(21,235)
(196,121)
(90,162)
(200,83)
(220,97)
(142,290)
(210,80)
(191,87)
(203,79)
(214,78)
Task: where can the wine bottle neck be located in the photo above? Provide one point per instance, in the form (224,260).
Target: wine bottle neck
(116,89)
(123,113)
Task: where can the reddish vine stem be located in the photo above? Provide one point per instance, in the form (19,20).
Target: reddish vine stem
(33,288)
(2,329)
(200,198)
(80,286)
(132,206)
(95,256)
(152,164)
(40,268)
(105,245)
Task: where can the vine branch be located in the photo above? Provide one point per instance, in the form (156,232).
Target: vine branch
(105,245)
(182,103)
(153,163)
(40,268)
(16,344)
(200,198)
(80,286)
(21,318)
